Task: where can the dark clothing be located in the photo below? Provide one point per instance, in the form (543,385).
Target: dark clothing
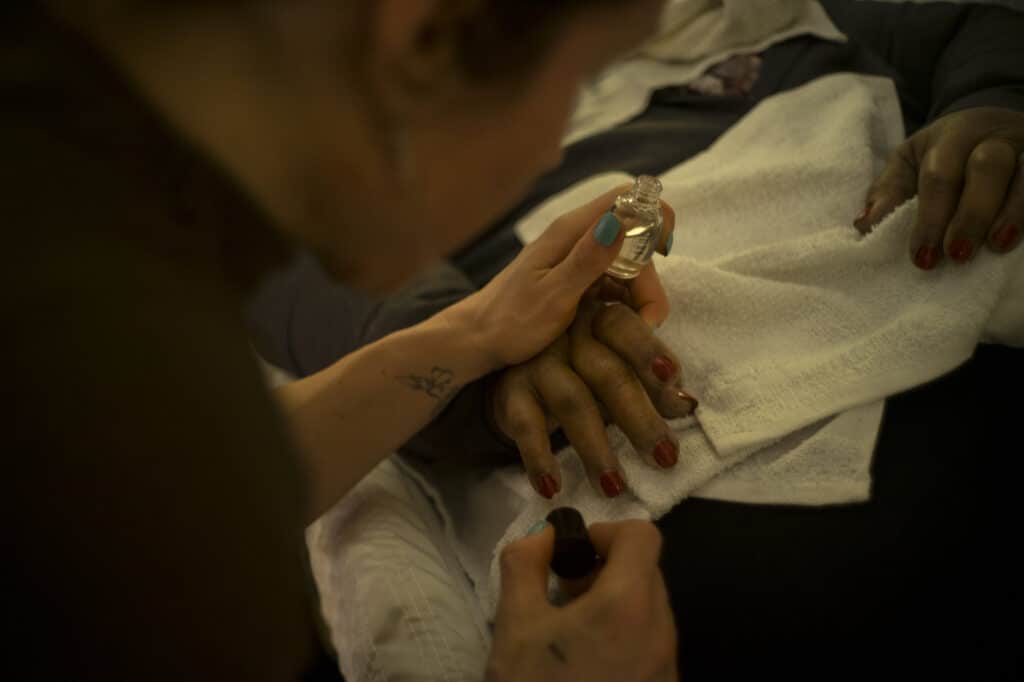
(918,583)
(153,523)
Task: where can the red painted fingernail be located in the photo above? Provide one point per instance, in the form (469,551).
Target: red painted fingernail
(863,214)
(663,368)
(547,486)
(689,398)
(612,483)
(927,257)
(961,250)
(1005,237)
(684,405)
(666,454)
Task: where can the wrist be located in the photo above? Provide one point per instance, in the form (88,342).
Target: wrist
(469,335)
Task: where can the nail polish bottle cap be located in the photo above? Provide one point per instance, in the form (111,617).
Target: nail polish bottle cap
(575,556)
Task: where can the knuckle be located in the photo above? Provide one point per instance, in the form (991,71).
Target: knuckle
(547,364)
(511,390)
(615,378)
(615,314)
(984,160)
(939,181)
(630,610)
(509,384)
(582,347)
(893,178)
(987,158)
(614,604)
(561,223)
(516,424)
(611,320)
(582,331)
(646,532)
(565,402)
(512,555)
(500,396)
(549,360)
(904,153)
(584,358)
(579,259)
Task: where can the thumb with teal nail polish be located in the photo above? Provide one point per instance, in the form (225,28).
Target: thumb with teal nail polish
(607,230)
(534,300)
(537,527)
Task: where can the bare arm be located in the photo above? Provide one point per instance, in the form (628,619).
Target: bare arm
(351,415)
(303,321)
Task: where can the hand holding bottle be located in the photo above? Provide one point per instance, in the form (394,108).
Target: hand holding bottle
(535,299)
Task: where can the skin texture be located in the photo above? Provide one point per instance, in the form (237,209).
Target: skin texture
(618,630)
(350,406)
(602,368)
(967,168)
(382,162)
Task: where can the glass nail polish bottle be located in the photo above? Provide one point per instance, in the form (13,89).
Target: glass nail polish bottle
(639,211)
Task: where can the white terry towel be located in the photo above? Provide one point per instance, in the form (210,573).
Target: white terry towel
(783,317)
(791,327)
(693,36)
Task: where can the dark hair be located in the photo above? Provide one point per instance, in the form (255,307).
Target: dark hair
(493,38)
(508,37)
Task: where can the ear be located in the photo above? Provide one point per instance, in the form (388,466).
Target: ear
(412,52)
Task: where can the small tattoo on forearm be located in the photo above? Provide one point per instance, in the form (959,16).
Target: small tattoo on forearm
(438,384)
(557,652)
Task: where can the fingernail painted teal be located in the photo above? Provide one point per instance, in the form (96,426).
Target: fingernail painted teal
(537,527)
(607,229)
(668,244)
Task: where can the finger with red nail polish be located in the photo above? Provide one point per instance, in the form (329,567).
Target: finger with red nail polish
(612,483)
(927,257)
(960,251)
(663,368)
(546,485)
(1005,238)
(666,454)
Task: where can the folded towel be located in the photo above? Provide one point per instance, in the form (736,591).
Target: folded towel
(791,327)
(392,592)
(693,36)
